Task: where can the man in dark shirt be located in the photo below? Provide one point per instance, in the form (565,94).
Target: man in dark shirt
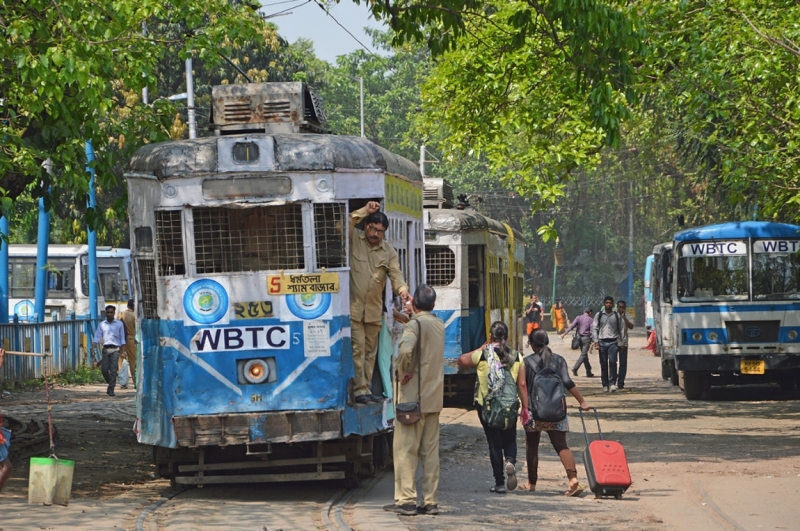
(533,314)
(583,323)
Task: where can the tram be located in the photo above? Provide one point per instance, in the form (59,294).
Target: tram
(67,280)
(241,264)
(726,305)
(476,264)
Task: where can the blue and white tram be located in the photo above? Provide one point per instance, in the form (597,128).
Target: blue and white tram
(476,264)
(735,312)
(240,250)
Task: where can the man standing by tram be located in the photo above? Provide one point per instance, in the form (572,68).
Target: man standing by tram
(372,259)
(128,318)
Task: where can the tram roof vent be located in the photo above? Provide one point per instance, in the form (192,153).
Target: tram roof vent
(436,193)
(276,108)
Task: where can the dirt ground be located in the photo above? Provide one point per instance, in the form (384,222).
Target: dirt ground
(730,461)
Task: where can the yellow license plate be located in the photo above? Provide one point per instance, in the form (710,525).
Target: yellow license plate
(752,366)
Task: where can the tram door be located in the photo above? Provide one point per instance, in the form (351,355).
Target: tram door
(476,298)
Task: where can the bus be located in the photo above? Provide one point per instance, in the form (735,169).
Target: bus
(648,294)
(734,313)
(67,280)
(241,267)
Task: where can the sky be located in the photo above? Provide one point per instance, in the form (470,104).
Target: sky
(308,21)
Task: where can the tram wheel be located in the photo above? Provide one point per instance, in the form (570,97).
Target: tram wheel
(693,384)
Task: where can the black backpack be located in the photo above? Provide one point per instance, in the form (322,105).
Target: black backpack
(547,400)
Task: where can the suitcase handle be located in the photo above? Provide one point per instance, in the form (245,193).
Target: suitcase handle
(583,423)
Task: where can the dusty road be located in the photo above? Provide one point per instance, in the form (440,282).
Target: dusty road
(730,462)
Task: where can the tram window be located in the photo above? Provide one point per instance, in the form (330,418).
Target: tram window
(776,276)
(147,284)
(441,265)
(251,239)
(329,234)
(245,152)
(169,235)
(143,237)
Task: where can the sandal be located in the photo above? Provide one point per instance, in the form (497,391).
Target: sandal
(498,489)
(527,487)
(575,491)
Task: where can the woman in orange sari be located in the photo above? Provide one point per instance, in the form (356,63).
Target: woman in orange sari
(559,317)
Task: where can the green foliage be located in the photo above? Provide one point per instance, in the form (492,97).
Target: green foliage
(80,376)
(67,66)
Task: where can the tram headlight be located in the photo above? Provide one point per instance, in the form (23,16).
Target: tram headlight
(697,336)
(712,336)
(792,335)
(256,371)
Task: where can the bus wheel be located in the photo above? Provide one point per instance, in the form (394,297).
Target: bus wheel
(693,384)
(673,373)
(665,370)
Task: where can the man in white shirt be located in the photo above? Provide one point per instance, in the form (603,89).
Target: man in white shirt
(111,335)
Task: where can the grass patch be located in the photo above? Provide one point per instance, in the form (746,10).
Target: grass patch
(82,375)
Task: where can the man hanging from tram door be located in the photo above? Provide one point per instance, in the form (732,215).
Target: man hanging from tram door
(372,259)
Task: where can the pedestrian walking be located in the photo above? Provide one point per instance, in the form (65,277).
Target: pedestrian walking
(622,344)
(608,331)
(128,350)
(533,314)
(420,373)
(583,327)
(494,363)
(557,431)
(111,334)
(558,314)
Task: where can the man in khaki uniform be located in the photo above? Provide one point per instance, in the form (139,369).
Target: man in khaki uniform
(421,380)
(128,318)
(371,261)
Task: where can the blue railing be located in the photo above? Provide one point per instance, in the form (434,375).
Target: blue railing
(64,345)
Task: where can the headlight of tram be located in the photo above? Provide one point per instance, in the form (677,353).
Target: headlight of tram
(792,335)
(712,336)
(256,371)
(697,336)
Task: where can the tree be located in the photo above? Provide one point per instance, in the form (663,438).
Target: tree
(70,68)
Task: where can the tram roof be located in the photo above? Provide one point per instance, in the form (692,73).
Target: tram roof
(739,229)
(293,153)
(446,219)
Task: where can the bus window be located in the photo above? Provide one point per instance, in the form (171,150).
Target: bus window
(228,240)
(60,280)
(710,278)
(23,277)
(775,275)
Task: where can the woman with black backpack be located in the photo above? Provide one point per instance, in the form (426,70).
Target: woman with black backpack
(545,376)
(497,401)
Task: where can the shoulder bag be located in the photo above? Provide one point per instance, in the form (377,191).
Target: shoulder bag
(410,412)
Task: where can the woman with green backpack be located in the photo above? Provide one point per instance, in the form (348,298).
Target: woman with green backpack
(497,401)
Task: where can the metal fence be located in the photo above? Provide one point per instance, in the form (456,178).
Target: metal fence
(45,348)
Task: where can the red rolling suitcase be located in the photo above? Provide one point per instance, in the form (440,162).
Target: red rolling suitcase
(606,464)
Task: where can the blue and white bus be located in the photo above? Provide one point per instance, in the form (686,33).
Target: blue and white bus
(67,280)
(731,293)
(648,294)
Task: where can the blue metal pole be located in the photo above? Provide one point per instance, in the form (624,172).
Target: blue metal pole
(92,271)
(40,293)
(4,272)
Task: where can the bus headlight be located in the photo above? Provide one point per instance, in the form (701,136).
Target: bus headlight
(256,371)
(697,336)
(712,336)
(792,335)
